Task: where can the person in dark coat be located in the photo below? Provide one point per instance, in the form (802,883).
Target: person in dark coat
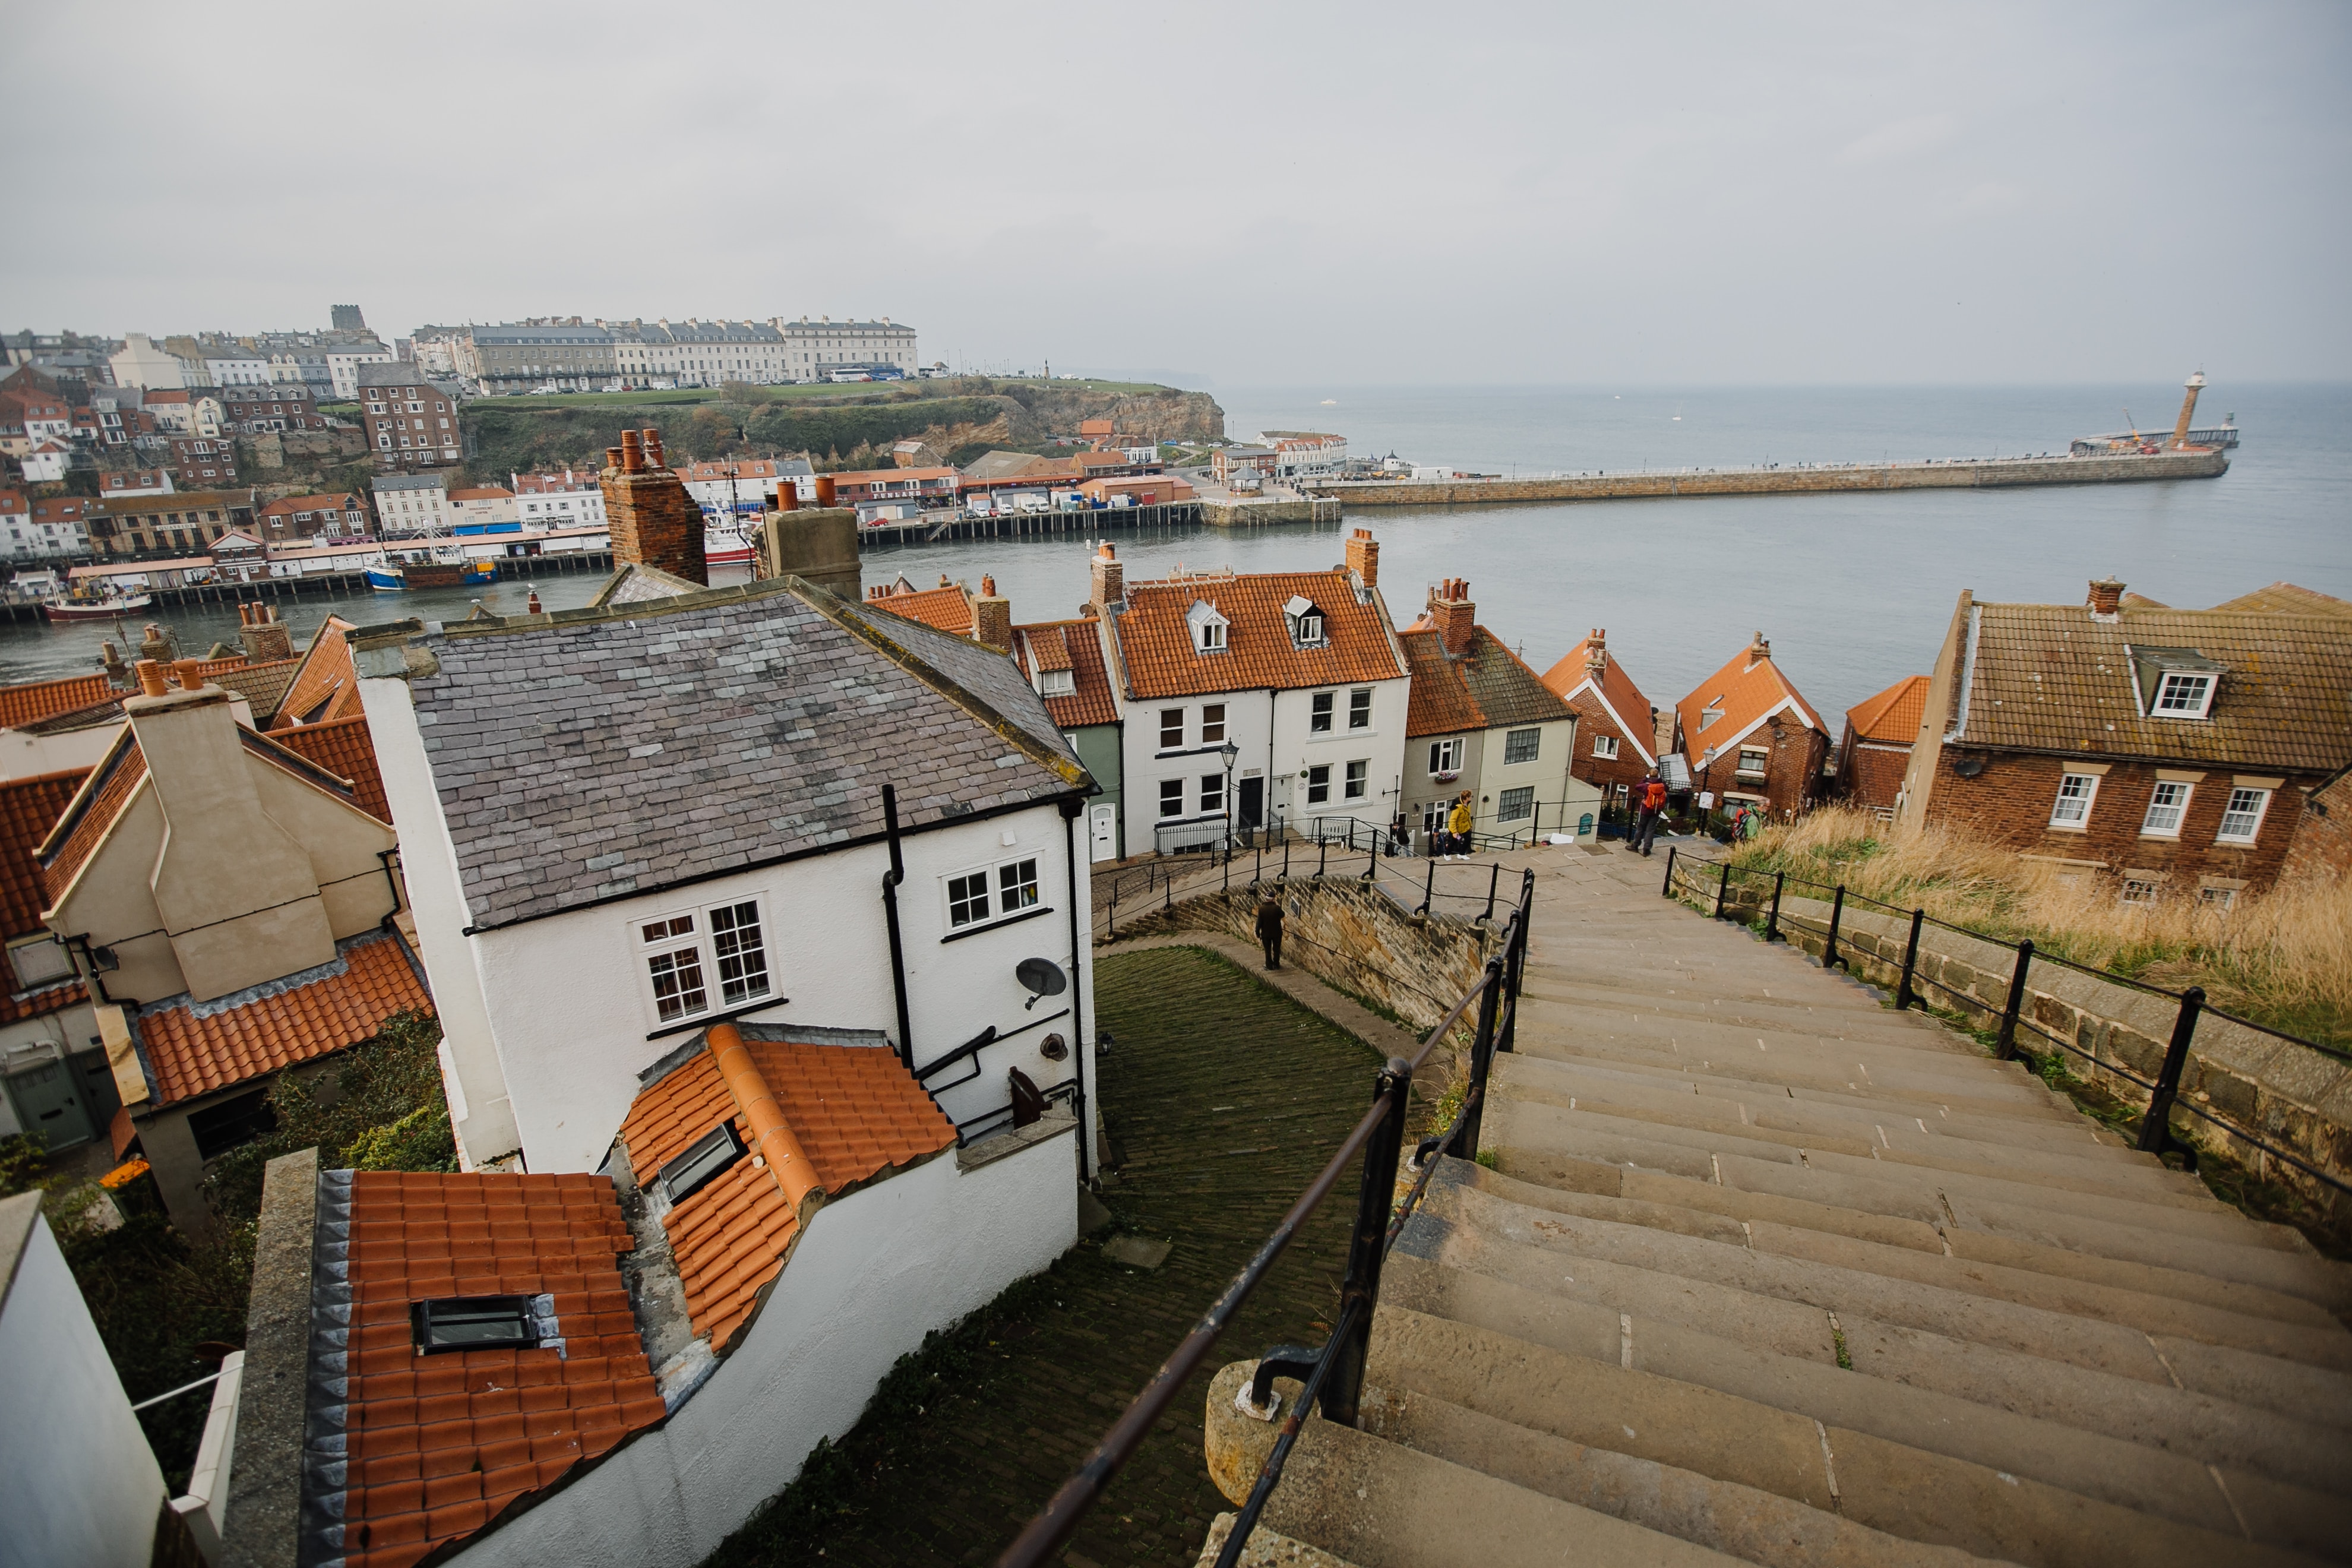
(1269,932)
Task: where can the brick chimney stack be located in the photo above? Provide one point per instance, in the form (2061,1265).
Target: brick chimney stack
(1760,651)
(653,521)
(1596,653)
(991,617)
(2106,599)
(1108,580)
(1364,557)
(1454,615)
(265,636)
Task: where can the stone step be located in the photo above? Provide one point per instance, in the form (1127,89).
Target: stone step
(1854,1130)
(1571,1306)
(2120,1197)
(2103,1326)
(1901,1137)
(1264,1549)
(1746,1524)
(2158,1302)
(1826,1015)
(1921,1467)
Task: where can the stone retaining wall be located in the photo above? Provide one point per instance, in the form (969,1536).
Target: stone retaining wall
(1355,937)
(2294,1098)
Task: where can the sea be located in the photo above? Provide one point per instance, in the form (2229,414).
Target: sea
(1854,591)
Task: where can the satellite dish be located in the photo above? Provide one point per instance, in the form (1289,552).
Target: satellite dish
(1042,977)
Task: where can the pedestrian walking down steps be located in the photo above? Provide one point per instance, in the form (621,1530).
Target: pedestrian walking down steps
(1269,932)
(1652,796)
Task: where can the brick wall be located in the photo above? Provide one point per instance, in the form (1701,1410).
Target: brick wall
(1869,772)
(2008,804)
(1792,767)
(1626,769)
(2322,846)
(654,520)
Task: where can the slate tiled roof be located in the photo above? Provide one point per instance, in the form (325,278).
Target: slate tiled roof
(1077,647)
(326,685)
(1156,640)
(1894,714)
(193,1049)
(597,754)
(30,807)
(858,1113)
(434,1447)
(1487,689)
(37,699)
(263,686)
(1747,689)
(2049,678)
(345,749)
(1616,689)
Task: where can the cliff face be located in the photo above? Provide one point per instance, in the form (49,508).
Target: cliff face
(1164,415)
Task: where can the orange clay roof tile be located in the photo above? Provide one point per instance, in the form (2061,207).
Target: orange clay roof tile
(194,1048)
(857,1114)
(1744,690)
(1617,689)
(438,1447)
(83,825)
(944,609)
(30,807)
(1894,714)
(1156,638)
(41,698)
(1077,647)
(327,685)
(345,749)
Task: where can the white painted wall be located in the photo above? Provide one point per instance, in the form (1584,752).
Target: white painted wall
(83,1487)
(874,1273)
(23,756)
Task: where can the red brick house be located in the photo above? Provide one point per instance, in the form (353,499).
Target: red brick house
(1751,739)
(1616,727)
(313,517)
(1876,749)
(2176,752)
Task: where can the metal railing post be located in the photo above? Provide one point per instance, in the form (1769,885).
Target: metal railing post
(1666,889)
(1371,866)
(1837,912)
(1429,888)
(2007,1050)
(1464,1144)
(1322,851)
(2155,1132)
(1772,920)
(1515,968)
(1903,996)
(1343,1393)
(1494,876)
(1286,857)
(1722,889)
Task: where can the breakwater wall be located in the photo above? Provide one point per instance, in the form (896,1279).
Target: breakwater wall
(1987,473)
(1267,514)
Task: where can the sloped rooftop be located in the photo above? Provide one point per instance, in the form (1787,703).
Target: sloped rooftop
(1894,714)
(1074,645)
(1487,688)
(602,753)
(1156,637)
(39,699)
(1615,687)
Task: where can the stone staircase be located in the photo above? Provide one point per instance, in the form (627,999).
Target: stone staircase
(1764,1271)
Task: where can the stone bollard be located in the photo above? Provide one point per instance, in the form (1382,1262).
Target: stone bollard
(1236,1445)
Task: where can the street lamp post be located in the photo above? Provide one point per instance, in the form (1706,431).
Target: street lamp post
(1232,754)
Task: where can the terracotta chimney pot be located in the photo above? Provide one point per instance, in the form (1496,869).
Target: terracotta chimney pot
(191,674)
(633,453)
(824,489)
(151,682)
(654,448)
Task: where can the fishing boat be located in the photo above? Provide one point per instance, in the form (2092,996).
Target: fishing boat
(90,605)
(726,541)
(392,577)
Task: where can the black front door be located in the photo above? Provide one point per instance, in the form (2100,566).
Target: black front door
(1253,802)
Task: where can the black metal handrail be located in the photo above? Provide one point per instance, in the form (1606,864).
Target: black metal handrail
(2156,1135)
(1335,1373)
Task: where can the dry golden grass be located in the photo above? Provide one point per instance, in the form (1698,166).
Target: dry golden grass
(2283,958)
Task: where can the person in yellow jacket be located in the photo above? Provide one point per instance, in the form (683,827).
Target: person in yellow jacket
(1458,824)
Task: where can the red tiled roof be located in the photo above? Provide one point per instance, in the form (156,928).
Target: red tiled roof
(438,1447)
(84,823)
(856,1112)
(1156,640)
(345,749)
(1486,689)
(327,685)
(263,686)
(30,807)
(944,608)
(39,700)
(1077,647)
(489,492)
(197,1047)
(1894,714)
(1747,690)
(1616,689)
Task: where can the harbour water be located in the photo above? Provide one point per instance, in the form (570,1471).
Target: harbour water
(1854,590)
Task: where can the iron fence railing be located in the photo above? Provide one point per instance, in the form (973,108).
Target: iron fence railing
(2156,1134)
(1334,1372)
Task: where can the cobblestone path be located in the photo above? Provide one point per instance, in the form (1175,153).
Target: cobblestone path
(1221,1097)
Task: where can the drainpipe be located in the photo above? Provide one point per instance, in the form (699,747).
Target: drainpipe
(383,857)
(890,880)
(1072,809)
(1266,806)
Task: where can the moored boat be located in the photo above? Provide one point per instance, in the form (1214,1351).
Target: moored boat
(94,606)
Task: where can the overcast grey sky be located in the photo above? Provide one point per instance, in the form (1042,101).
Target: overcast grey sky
(1341,194)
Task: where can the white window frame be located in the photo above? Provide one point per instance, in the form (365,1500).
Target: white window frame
(2139,892)
(1056,683)
(1763,763)
(1359,710)
(1446,757)
(1178,744)
(1322,784)
(1213,793)
(2230,809)
(1167,812)
(2202,682)
(997,888)
(1504,802)
(2149,826)
(1356,779)
(1533,734)
(2081,821)
(1605,747)
(1213,723)
(704,941)
(1322,711)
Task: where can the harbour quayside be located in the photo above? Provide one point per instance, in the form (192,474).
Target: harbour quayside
(2128,458)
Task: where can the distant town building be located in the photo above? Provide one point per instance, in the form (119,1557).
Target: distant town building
(1616,731)
(1751,739)
(200,461)
(295,519)
(178,411)
(347,319)
(284,407)
(1305,454)
(572,356)
(60,525)
(2169,754)
(181,524)
(485,506)
(410,422)
(141,362)
(1229,463)
(135,482)
(46,463)
(744,484)
(411,503)
(567,500)
(1876,751)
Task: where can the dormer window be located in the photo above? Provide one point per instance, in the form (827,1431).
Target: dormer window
(1055,683)
(2175,682)
(1208,627)
(1305,622)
